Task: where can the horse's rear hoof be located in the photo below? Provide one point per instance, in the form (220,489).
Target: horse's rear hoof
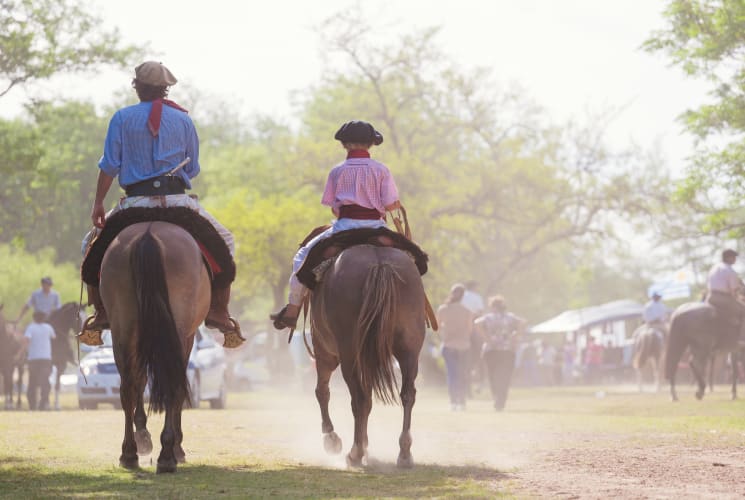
(353,462)
(332,443)
(165,467)
(699,395)
(129,462)
(144,442)
(405,462)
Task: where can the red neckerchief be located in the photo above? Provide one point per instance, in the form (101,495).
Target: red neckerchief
(153,121)
(358,153)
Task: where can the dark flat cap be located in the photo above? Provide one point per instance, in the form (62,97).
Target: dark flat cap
(154,73)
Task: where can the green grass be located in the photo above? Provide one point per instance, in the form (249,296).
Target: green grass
(268,444)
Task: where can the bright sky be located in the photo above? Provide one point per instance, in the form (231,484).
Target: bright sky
(571,55)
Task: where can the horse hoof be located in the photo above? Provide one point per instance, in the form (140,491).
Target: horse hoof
(144,442)
(353,462)
(129,462)
(699,395)
(166,467)
(405,462)
(332,443)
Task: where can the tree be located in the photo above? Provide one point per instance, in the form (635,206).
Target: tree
(705,39)
(492,187)
(43,37)
(47,189)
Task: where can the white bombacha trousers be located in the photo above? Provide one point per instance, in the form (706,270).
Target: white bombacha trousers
(171,200)
(297,289)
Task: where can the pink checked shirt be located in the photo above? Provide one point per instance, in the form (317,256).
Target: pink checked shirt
(360,181)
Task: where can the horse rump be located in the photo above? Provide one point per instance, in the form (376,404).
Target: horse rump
(159,349)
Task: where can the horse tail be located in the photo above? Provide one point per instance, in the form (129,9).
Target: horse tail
(375,332)
(676,345)
(159,347)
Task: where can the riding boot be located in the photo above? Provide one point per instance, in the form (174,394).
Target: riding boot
(95,324)
(218,317)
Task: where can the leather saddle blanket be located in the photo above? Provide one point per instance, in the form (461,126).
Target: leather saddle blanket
(215,251)
(345,239)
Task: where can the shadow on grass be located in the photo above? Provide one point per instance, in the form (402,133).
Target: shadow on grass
(23,478)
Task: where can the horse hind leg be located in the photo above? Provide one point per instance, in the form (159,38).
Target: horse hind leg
(698,365)
(361,407)
(325,366)
(127,395)
(142,436)
(167,458)
(409,364)
(178,450)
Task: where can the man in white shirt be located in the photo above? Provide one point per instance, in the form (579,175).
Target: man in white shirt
(724,283)
(655,313)
(39,337)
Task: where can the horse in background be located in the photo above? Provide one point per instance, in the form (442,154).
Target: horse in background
(368,309)
(649,347)
(12,358)
(156,290)
(63,321)
(697,327)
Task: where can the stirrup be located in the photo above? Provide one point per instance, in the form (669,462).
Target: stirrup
(281,320)
(232,336)
(90,334)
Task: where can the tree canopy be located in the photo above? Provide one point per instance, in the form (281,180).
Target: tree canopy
(41,38)
(706,39)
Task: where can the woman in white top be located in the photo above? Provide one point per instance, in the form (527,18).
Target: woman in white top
(39,337)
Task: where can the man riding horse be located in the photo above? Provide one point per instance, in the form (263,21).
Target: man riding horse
(655,315)
(723,286)
(154,150)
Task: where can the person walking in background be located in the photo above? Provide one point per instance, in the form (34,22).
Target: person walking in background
(456,326)
(500,331)
(593,359)
(546,362)
(44,300)
(39,337)
(474,302)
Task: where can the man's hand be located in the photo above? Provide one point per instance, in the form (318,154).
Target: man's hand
(98,215)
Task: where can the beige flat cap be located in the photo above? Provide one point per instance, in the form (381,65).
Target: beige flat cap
(154,73)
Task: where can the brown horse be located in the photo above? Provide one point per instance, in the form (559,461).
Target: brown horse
(697,327)
(156,290)
(12,358)
(368,309)
(63,320)
(649,347)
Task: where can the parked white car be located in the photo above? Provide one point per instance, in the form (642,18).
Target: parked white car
(100,380)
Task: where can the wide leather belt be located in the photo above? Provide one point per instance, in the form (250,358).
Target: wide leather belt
(157,186)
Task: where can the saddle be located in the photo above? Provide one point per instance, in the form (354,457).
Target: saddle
(330,247)
(214,250)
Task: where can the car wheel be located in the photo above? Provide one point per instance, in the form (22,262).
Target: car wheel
(219,402)
(195,390)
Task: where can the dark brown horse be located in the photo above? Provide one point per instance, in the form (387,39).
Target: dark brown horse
(12,358)
(368,310)
(63,320)
(697,327)
(156,290)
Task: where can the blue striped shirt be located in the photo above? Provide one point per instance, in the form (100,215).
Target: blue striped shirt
(132,153)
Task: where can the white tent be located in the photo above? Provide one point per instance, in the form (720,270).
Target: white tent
(577,319)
